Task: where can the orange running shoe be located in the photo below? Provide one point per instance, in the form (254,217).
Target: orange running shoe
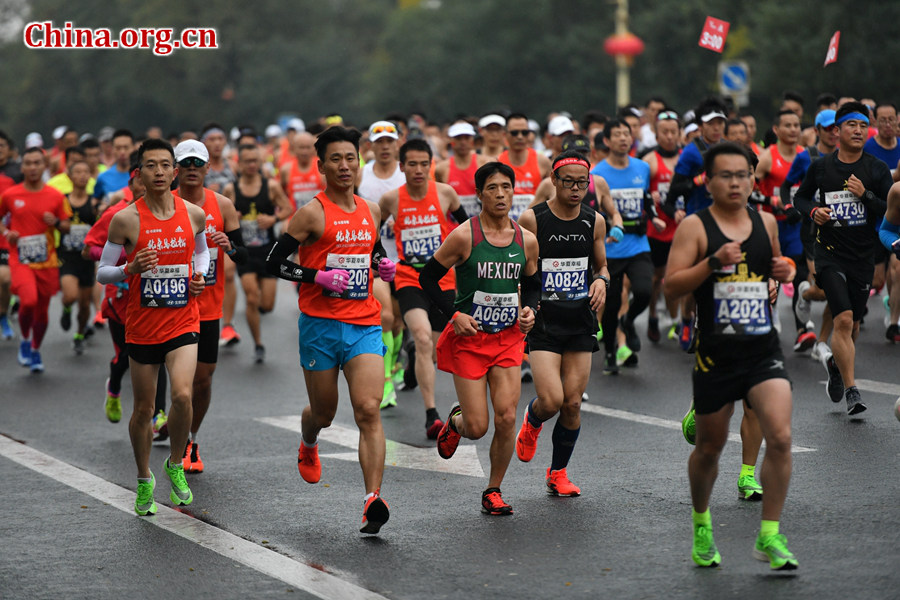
(228,336)
(375,514)
(192,461)
(186,459)
(432,430)
(308,463)
(526,441)
(448,438)
(558,484)
(492,503)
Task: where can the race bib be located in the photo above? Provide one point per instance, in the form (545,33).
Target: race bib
(32,249)
(213,264)
(302,198)
(742,307)
(165,286)
(564,279)
(254,237)
(419,243)
(73,241)
(471,204)
(629,202)
(358,267)
(846,209)
(520,203)
(495,312)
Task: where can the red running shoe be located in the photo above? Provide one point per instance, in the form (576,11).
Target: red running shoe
(526,441)
(448,438)
(192,462)
(434,429)
(375,514)
(308,463)
(492,503)
(558,484)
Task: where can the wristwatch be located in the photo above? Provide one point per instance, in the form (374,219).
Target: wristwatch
(714,263)
(605,279)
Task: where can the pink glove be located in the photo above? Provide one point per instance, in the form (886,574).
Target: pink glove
(387,269)
(335,280)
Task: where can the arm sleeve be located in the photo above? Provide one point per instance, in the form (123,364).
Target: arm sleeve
(888,233)
(378,253)
(429,279)
(804,199)
(531,290)
(880,188)
(108,272)
(241,254)
(278,264)
(201,253)
(460,215)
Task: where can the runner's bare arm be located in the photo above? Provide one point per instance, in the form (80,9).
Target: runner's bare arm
(388,205)
(280,199)
(685,270)
(597,292)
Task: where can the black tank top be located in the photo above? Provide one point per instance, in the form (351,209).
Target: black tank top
(733,312)
(566,267)
(71,243)
(249,208)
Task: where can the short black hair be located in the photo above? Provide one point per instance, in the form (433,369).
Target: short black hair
(123,133)
(794,96)
(416,145)
(600,140)
(9,141)
(850,107)
(883,105)
(31,149)
(247,147)
(76,149)
(336,133)
(721,149)
(572,153)
(488,169)
(612,124)
(710,104)
(593,116)
(783,112)
(398,118)
(516,115)
(825,99)
(629,110)
(734,123)
(90,142)
(154,144)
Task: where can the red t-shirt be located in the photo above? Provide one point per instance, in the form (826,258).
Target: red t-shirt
(26,208)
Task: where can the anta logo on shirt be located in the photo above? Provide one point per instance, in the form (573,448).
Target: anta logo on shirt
(569,237)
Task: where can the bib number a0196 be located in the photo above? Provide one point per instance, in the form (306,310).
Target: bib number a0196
(420,243)
(73,241)
(742,308)
(32,249)
(564,279)
(846,208)
(495,312)
(165,286)
(358,265)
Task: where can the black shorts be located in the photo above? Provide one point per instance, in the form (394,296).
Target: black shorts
(659,252)
(718,383)
(560,344)
(411,297)
(846,287)
(83,269)
(4,257)
(155,354)
(208,345)
(256,263)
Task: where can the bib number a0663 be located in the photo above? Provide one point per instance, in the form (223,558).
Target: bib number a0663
(495,312)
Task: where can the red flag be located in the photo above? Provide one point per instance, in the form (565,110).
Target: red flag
(831,56)
(713,35)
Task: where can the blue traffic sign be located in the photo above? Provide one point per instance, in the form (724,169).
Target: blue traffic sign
(734,77)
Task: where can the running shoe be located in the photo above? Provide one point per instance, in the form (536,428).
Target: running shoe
(835,384)
(492,503)
(78,344)
(181,493)
(623,353)
(803,308)
(192,462)
(685,337)
(308,463)
(805,341)
(37,365)
(558,484)
(389,399)
(259,354)
(527,375)
(611,367)
(160,424)
(526,440)
(632,339)
(892,334)
(820,352)
(398,378)
(689,426)
(749,488)
(375,514)
(228,336)
(653,329)
(113,405)
(99,321)
(88,331)
(144,504)
(448,438)
(704,551)
(65,321)
(773,548)
(854,401)
(585,397)
(6,331)
(433,429)
(25,353)
(673,332)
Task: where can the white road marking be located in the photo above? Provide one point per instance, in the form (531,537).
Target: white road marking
(879,387)
(665,423)
(264,560)
(464,462)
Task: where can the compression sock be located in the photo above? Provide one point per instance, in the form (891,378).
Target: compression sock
(388,338)
(563,446)
(398,345)
(703,518)
(767,528)
(535,422)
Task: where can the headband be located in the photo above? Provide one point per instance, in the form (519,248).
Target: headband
(571,161)
(855,116)
(210,132)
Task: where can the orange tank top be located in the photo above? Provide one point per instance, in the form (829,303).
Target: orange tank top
(661,184)
(421,227)
(528,177)
(303,185)
(771,185)
(211,298)
(346,243)
(463,182)
(160,306)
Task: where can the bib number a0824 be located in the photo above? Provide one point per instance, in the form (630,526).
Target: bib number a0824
(564,278)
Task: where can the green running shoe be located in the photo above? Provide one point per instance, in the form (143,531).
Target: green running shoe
(144,504)
(623,353)
(397,377)
(689,426)
(181,493)
(749,488)
(704,551)
(113,405)
(773,548)
(389,399)
(672,333)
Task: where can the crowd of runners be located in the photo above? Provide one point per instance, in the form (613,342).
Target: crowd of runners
(494,248)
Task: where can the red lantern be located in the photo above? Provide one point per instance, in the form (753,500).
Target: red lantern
(623,44)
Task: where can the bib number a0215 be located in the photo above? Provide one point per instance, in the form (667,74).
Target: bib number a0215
(495,312)
(165,286)
(358,265)
(420,243)
(32,249)
(846,208)
(564,279)
(742,308)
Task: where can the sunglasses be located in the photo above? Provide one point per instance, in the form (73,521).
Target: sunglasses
(191,161)
(384,129)
(666,115)
(519,132)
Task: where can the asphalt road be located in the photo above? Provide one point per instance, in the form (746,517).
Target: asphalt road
(255,529)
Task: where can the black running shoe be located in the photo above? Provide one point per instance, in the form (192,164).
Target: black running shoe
(632,340)
(835,384)
(652,329)
(854,401)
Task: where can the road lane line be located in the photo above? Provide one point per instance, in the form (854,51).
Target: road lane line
(665,423)
(879,387)
(266,561)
